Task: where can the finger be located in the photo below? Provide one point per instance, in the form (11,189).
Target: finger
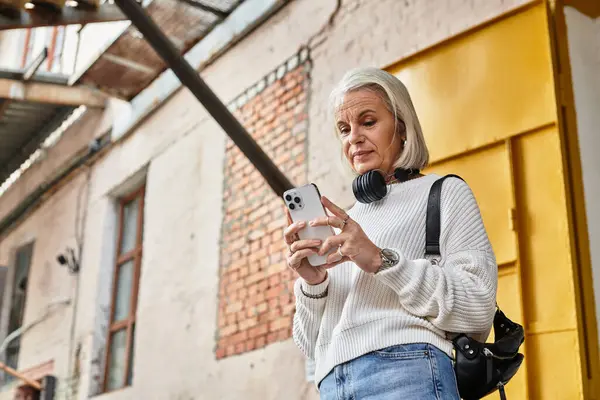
(290,232)
(334,258)
(336,222)
(332,242)
(289,216)
(304,244)
(333,264)
(337,211)
(295,259)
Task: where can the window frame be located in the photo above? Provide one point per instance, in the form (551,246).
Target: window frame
(134,254)
(16,344)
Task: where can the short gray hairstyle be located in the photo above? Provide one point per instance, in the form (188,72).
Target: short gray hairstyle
(394,94)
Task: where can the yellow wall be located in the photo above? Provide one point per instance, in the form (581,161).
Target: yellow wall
(487,105)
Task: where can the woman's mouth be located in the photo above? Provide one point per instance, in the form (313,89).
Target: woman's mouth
(361,155)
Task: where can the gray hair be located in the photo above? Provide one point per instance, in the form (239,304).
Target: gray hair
(394,94)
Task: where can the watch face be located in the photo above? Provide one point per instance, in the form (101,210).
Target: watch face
(390,255)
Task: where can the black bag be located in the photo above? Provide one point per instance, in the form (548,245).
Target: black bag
(481,368)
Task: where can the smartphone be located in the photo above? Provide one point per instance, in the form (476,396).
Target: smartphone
(305,204)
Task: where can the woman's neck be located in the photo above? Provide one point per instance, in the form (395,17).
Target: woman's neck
(403,176)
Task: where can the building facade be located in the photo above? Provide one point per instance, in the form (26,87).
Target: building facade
(153,268)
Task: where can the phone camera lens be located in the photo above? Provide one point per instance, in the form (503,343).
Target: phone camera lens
(288,197)
(297,200)
(292,206)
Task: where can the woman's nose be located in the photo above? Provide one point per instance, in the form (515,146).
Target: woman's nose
(355,136)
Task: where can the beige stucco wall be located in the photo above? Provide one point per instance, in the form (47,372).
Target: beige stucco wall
(180,151)
(51,286)
(583,34)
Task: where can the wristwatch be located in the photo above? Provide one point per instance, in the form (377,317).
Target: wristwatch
(389,258)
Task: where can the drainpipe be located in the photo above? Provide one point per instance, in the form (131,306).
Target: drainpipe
(20,331)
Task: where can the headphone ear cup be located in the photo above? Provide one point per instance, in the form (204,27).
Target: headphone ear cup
(356,189)
(369,187)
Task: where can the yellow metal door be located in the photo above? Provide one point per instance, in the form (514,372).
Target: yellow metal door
(488,108)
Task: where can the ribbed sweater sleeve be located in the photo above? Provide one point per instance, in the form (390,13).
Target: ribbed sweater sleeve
(309,312)
(459,293)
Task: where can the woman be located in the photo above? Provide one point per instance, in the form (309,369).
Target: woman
(376,319)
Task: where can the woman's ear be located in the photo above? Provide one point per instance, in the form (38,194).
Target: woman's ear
(401,129)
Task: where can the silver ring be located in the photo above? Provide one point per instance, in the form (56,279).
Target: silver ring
(344,221)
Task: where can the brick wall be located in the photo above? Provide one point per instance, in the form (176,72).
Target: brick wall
(256,301)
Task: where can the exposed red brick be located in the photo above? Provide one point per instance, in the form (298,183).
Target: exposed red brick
(261,342)
(230,350)
(274,302)
(259,330)
(255,291)
(234,307)
(248,323)
(231,319)
(250,344)
(253,278)
(274,313)
(288,309)
(240,347)
(262,307)
(234,286)
(241,336)
(220,353)
(272,337)
(280,266)
(262,286)
(283,334)
(263,318)
(274,280)
(280,323)
(286,298)
(255,299)
(274,292)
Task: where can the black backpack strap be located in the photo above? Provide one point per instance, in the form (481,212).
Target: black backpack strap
(434,220)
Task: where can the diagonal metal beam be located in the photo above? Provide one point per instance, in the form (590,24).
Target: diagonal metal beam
(219,13)
(191,79)
(40,16)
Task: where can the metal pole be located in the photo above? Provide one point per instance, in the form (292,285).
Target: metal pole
(19,375)
(191,79)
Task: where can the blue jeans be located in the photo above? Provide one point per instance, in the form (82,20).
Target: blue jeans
(410,371)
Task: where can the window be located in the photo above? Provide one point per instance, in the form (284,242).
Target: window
(17,304)
(121,332)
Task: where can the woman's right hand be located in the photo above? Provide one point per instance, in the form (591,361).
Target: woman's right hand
(299,250)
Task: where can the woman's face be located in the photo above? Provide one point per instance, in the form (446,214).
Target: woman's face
(366,128)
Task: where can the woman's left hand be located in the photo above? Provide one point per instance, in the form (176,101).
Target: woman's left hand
(352,242)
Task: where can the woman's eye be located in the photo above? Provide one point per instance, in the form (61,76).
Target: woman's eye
(344,131)
(369,123)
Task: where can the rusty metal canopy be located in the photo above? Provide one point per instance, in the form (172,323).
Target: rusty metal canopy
(130,64)
(127,67)
(23,127)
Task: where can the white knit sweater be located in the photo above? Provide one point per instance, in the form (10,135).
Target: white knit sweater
(414,301)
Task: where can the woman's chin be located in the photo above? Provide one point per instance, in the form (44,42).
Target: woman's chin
(363,168)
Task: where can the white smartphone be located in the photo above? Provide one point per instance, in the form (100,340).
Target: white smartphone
(305,204)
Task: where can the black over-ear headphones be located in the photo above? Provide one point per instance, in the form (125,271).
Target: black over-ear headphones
(372,187)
